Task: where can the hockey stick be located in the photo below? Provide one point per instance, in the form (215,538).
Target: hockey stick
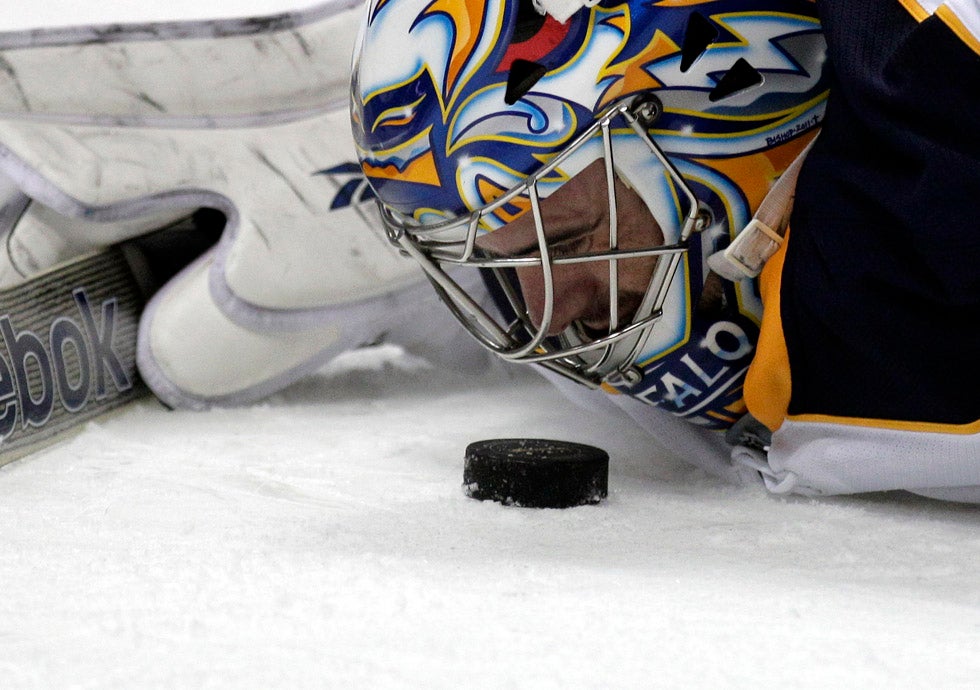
(68,335)
(67,350)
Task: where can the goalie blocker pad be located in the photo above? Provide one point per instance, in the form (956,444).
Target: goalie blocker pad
(67,350)
(248,116)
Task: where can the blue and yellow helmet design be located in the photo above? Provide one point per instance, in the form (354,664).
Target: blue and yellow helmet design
(466,115)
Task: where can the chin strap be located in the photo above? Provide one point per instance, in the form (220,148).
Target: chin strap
(763,236)
(562,9)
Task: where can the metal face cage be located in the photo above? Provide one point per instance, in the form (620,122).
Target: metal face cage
(584,357)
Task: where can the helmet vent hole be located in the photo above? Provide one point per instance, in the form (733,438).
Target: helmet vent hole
(700,33)
(529,22)
(523,75)
(738,78)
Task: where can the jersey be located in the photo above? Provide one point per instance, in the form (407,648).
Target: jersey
(866,370)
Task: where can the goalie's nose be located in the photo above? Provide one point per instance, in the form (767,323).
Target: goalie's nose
(582,218)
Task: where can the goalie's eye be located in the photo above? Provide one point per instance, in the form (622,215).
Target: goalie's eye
(398,116)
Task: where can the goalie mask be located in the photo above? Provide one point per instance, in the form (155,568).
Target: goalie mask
(590,168)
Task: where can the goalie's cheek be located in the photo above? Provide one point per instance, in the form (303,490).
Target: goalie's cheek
(580,294)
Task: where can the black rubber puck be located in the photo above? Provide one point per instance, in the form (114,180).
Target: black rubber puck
(536,473)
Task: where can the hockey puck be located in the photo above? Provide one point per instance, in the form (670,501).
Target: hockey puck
(535,473)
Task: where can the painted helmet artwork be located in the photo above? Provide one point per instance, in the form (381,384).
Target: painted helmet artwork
(588,167)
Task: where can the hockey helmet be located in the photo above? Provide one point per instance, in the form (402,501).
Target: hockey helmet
(474,118)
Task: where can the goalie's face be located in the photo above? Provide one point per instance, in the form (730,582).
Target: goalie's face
(576,221)
(577,252)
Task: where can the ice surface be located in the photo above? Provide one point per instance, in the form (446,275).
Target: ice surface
(323,540)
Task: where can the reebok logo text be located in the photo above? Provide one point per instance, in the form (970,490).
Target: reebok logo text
(69,366)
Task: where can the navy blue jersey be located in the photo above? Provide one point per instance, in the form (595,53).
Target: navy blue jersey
(881,291)
(872,324)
